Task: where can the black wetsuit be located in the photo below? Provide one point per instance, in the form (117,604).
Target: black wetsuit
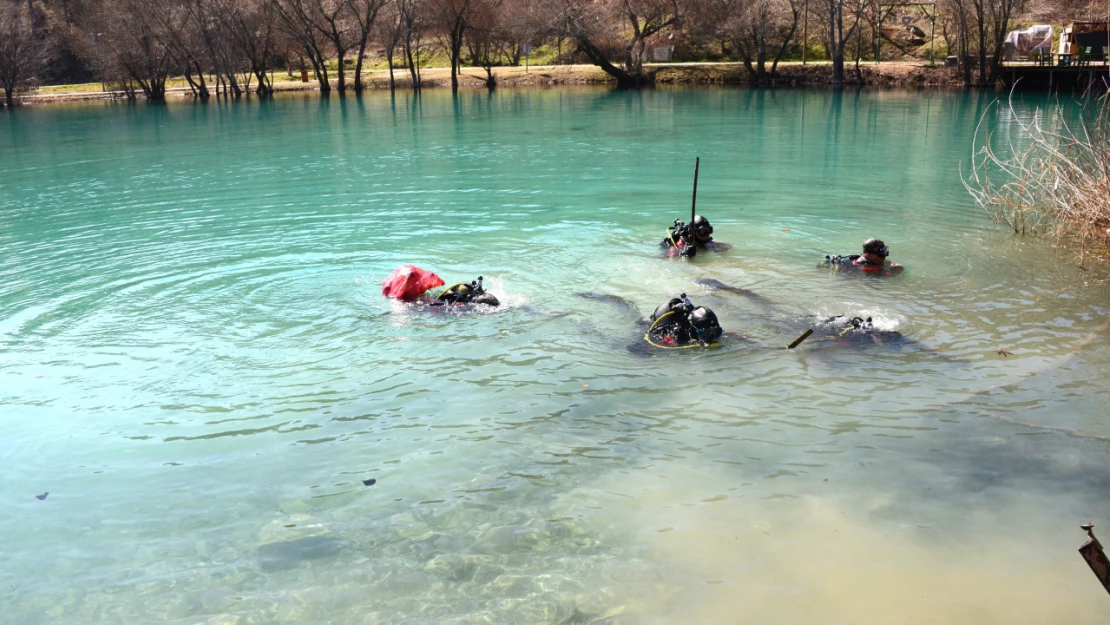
(678,323)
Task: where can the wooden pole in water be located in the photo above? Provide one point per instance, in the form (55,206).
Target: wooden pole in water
(1092,552)
(798,341)
(694,202)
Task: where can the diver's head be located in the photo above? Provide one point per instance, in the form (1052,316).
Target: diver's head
(875,250)
(701,228)
(705,325)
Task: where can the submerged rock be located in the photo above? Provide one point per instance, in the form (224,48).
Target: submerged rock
(289,554)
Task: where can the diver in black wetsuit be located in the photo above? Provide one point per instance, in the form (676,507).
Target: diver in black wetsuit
(678,323)
(466,293)
(858,330)
(684,240)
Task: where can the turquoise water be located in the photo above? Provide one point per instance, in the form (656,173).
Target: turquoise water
(197,364)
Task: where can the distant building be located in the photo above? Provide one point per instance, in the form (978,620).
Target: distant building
(1079,36)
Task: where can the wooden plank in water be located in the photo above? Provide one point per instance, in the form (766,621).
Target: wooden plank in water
(1094,555)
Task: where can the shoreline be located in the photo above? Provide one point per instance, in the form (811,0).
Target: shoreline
(916,74)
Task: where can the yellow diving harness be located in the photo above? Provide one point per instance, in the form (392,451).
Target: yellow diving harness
(647,336)
(694,328)
(461,288)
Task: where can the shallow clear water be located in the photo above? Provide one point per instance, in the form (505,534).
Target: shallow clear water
(197,364)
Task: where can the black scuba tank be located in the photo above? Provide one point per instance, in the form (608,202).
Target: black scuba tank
(468,293)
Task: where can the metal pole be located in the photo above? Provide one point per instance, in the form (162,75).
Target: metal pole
(694,202)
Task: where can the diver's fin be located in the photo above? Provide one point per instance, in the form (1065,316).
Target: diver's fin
(605,298)
(717,285)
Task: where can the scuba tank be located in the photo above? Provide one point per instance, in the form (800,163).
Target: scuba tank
(678,323)
(832,260)
(853,323)
(466,293)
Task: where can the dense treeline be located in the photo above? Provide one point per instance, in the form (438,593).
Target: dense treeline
(234,46)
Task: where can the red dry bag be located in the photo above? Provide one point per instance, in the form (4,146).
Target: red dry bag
(409,282)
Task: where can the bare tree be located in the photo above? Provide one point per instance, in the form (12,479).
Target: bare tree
(840,12)
(760,30)
(603,29)
(389,30)
(364,13)
(178,24)
(332,19)
(413,25)
(295,20)
(251,27)
(128,49)
(486,41)
(992,21)
(452,18)
(24,53)
(955,22)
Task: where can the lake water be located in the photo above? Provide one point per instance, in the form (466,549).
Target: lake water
(197,364)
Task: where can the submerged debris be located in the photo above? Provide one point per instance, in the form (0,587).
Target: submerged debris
(1094,555)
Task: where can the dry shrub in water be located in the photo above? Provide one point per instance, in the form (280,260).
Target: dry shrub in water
(1057,184)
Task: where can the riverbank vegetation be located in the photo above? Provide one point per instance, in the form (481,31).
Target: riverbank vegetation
(1052,179)
(232,47)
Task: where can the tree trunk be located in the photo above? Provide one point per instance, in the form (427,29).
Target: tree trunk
(625,79)
(836,46)
(982,28)
(358,67)
(786,41)
(389,61)
(319,69)
(342,86)
(414,71)
(456,40)
(199,86)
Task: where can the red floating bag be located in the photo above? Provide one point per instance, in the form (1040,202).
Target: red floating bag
(409,282)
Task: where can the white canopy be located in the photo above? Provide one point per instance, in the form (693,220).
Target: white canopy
(1033,39)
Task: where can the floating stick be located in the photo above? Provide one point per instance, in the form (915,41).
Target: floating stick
(798,341)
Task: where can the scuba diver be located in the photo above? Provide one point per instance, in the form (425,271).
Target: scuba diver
(466,293)
(407,283)
(684,240)
(873,259)
(678,323)
(844,330)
